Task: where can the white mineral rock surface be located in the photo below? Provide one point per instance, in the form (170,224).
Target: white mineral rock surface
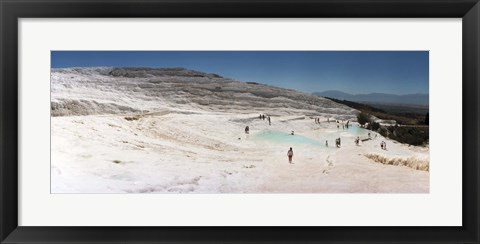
(140,130)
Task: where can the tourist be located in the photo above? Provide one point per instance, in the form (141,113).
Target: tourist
(247,130)
(326,143)
(290,155)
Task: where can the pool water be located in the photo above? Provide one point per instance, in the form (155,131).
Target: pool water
(330,135)
(282,137)
(357,131)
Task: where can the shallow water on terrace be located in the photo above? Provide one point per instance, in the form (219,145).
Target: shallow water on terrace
(319,139)
(282,137)
(357,131)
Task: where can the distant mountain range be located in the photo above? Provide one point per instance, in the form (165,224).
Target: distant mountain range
(378,98)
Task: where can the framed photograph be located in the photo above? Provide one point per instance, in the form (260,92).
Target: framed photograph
(233,121)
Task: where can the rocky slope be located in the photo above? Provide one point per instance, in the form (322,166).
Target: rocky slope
(104,90)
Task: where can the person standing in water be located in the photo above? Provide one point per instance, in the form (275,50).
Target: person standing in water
(290,155)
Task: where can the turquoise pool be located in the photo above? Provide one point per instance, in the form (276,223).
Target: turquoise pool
(357,131)
(282,137)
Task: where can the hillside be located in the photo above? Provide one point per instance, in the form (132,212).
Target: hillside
(388,113)
(379,98)
(102,90)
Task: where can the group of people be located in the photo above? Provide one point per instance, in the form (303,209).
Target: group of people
(344,125)
(262,117)
(338,141)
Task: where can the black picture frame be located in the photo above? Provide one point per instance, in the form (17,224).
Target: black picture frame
(12,10)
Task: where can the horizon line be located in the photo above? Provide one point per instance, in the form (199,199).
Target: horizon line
(263,83)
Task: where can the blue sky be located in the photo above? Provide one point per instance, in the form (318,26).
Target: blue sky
(355,72)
